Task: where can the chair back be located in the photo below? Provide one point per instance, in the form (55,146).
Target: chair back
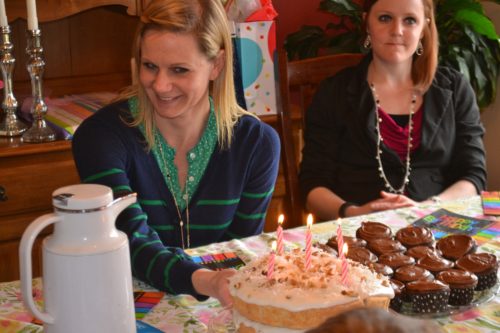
(298,81)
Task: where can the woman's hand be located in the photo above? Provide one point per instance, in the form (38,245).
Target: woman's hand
(214,284)
(385,202)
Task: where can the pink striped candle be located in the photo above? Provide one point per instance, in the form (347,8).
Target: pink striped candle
(279,234)
(309,241)
(270,263)
(342,248)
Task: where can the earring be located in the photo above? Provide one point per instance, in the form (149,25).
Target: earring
(420,48)
(368,42)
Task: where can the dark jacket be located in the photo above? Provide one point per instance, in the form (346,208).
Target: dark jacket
(340,139)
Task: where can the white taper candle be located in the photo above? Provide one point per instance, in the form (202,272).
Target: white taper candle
(3,15)
(32,18)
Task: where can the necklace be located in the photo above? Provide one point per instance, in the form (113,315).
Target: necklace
(406,178)
(166,174)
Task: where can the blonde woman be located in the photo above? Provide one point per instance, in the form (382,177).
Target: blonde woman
(203,168)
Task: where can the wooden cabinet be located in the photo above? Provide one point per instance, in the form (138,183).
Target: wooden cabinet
(87,48)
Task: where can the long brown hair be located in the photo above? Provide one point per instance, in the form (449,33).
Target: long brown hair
(424,66)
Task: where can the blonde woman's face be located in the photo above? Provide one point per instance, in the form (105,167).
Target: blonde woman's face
(175,74)
(395,28)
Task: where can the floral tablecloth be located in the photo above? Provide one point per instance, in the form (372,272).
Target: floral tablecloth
(184,314)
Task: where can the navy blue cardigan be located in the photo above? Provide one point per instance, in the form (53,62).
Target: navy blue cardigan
(230,202)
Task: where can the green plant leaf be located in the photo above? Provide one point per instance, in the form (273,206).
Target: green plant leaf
(480,23)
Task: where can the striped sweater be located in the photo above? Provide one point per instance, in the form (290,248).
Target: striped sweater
(230,202)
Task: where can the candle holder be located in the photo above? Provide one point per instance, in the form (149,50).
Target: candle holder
(10,125)
(39,131)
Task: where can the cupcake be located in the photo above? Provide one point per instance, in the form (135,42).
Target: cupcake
(410,273)
(373,230)
(462,284)
(435,263)
(381,269)
(361,255)
(326,249)
(385,245)
(420,251)
(414,236)
(455,246)
(399,289)
(395,260)
(351,242)
(428,296)
(484,265)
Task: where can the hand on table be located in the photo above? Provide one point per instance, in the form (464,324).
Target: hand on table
(214,284)
(385,202)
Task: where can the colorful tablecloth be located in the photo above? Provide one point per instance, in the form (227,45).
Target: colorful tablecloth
(184,314)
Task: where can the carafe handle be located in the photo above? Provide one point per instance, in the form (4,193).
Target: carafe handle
(25,249)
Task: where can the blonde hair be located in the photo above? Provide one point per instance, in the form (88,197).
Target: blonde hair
(206,20)
(424,66)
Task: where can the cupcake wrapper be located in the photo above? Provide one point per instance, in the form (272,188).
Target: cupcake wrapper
(431,302)
(461,296)
(486,281)
(396,303)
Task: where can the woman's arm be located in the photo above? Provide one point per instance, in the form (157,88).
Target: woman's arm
(101,153)
(258,190)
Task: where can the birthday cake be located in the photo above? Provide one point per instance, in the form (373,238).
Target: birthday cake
(295,299)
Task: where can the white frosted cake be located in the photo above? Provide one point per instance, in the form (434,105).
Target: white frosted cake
(296,299)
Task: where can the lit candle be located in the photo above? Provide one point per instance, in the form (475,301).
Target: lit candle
(270,263)
(309,240)
(342,248)
(345,279)
(279,233)
(3,15)
(32,18)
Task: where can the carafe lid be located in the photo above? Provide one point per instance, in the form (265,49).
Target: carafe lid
(82,197)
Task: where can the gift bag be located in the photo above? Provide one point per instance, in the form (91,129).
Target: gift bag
(255,44)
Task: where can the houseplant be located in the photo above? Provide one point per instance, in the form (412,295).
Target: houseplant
(467,38)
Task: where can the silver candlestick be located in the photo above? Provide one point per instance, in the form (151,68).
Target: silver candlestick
(10,125)
(39,131)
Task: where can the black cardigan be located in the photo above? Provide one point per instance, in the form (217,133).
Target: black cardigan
(340,139)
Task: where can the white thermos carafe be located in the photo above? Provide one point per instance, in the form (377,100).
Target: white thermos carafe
(87,278)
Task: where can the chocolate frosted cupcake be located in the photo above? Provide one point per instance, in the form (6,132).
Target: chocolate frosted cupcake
(428,296)
(454,247)
(326,248)
(484,265)
(381,269)
(385,245)
(435,263)
(414,236)
(462,284)
(373,230)
(420,251)
(399,290)
(351,242)
(410,273)
(395,260)
(361,255)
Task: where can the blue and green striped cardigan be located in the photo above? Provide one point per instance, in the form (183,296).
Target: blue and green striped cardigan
(230,202)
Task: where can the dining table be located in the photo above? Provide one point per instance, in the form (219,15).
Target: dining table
(183,313)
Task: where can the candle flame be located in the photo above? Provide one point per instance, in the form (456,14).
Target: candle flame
(345,248)
(273,246)
(309,220)
(281,219)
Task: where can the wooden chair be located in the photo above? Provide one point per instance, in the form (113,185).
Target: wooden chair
(300,79)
